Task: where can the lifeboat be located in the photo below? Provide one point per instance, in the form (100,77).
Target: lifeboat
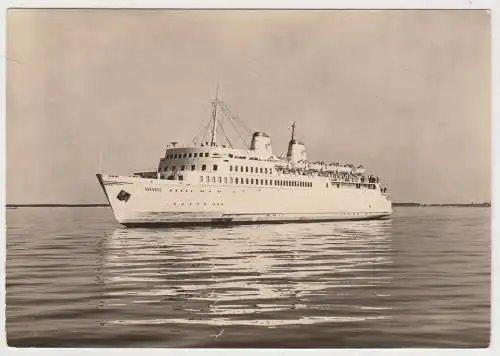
(344,169)
(316,166)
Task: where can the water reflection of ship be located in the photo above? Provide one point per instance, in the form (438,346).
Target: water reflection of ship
(251,275)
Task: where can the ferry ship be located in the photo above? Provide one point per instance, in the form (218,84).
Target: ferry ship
(210,183)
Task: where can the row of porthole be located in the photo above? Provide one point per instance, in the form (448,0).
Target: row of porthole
(198,204)
(358,186)
(187,155)
(190,191)
(252,181)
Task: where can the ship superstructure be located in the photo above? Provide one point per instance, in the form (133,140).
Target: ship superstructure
(210,183)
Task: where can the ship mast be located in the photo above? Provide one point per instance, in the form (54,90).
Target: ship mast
(215,104)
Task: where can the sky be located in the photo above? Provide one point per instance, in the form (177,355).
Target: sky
(405,93)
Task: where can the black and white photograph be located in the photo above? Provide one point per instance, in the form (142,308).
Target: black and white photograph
(248,178)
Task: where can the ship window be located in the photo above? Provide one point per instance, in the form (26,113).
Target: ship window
(206,154)
(251,169)
(265,170)
(241,168)
(207,179)
(183,168)
(247,181)
(173,168)
(251,181)
(265,181)
(184,155)
(215,167)
(220,179)
(246,169)
(230,168)
(203,167)
(270,171)
(181,178)
(213,179)
(260,169)
(201,179)
(236,180)
(230,155)
(193,167)
(195,155)
(190,155)
(257,182)
(231,180)
(262,182)
(225,180)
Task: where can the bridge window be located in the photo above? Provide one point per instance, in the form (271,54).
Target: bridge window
(181,178)
(203,167)
(207,179)
(206,154)
(193,167)
(215,167)
(195,155)
(183,168)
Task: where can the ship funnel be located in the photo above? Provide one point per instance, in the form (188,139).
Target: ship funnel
(296,149)
(261,143)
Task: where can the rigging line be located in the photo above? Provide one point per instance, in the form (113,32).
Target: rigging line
(236,129)
(202,130)
(234,124)
(207,130)
(234,117)
(224,132)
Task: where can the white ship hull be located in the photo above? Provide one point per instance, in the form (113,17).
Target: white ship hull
(142,202)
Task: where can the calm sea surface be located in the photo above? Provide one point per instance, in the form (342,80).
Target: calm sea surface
(75,278)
